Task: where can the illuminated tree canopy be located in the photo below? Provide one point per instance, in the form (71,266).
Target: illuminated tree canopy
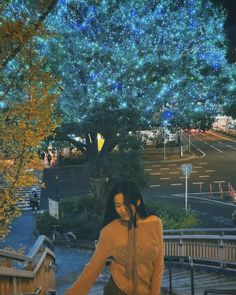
(121,63)
(145,53)
(141,55)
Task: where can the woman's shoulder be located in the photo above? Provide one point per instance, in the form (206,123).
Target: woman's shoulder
(110,226)
(151,218)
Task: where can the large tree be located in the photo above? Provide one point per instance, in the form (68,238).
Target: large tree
(28,94)
(122,61)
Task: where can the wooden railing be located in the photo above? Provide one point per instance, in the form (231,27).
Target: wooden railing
(29,274)
(216,250)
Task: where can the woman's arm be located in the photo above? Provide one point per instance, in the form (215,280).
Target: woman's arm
(158,264)
(95,266)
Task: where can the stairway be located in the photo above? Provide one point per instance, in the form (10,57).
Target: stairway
(25,193)
(181,282)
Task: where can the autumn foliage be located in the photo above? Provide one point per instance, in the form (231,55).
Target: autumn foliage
(28,93)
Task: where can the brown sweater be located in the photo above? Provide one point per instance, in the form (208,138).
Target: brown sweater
(113,242)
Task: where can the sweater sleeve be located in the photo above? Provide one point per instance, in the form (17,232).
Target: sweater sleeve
(95,266)
(158,264)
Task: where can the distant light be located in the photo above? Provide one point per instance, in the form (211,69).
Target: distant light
(3,104)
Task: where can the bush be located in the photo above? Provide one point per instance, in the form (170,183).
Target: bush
(78,215)
(172,218)
(44,224)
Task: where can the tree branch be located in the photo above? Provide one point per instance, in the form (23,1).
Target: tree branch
(36,26)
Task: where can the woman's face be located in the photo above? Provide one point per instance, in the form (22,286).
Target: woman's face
(121,207)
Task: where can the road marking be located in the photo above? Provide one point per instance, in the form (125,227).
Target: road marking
(194,172)
(174,172)
(203,154)
(156,165)
(204,163)
(148,169)
(197,167)
(155,173)
(202,176)
(219,181)
(210,170)
(176,184)
(216,148)
(165,169)
(220,136)
(163,178)
(197,182)
(154,185)
(231,147)
(171,164)
(181,177)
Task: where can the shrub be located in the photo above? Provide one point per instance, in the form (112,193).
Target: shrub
(78,215)
(44,224)
(172,218)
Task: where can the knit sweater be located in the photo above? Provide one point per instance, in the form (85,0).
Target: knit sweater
(113,242)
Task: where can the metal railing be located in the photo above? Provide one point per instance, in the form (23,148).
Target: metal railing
(170,261)
(209,249)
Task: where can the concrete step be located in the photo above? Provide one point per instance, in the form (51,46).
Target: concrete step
(181,282)
(25,194)
(203,279)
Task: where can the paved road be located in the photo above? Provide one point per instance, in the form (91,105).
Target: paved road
(213,170)
(213,167)
(22,233)
(212,214)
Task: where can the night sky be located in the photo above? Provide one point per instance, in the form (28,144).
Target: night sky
(230,26)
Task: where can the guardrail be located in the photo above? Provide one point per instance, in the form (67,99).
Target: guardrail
(30,274)
(215,250)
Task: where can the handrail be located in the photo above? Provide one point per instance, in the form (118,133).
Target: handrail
(182,260)
(37,267)
(210,250)
(205,230)
(41,240)
(222,291)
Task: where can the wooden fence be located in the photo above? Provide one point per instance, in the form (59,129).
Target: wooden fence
(217,250)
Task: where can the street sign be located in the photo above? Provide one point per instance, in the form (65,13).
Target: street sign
(187,169)
(53,208)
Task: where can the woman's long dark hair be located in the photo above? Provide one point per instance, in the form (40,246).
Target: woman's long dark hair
(131,196)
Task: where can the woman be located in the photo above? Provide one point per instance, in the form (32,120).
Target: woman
(132,241)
